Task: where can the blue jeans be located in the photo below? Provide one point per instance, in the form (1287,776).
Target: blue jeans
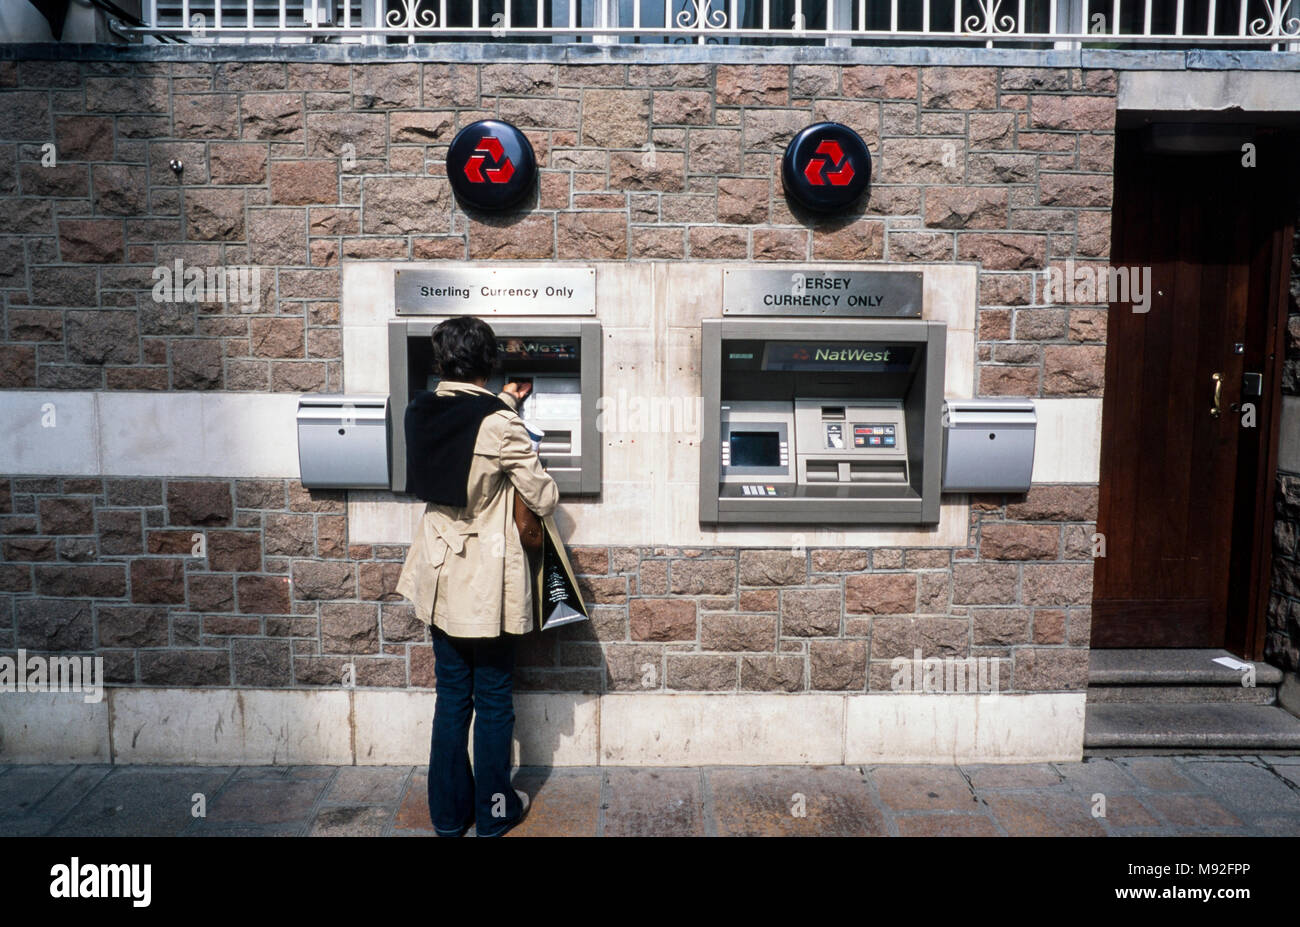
(474,677)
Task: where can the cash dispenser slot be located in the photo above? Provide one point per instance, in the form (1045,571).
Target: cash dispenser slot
(820,421)
(561,358)
(816,471)
(877,473)
(556,443)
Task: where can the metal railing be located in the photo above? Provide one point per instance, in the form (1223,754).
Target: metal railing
(1260,24)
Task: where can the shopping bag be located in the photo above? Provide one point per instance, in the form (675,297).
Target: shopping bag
(530,529)
(556,590)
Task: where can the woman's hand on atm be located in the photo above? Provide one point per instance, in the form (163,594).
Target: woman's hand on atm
(519,390)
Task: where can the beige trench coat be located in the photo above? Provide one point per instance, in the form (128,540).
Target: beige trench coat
(466,571)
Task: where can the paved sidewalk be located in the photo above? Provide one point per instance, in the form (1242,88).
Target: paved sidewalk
(1146,795)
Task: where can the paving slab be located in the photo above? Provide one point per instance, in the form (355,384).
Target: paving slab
(23,789)
(413,812)
(266,801)
(288,772)
(654,802)
(1125,811)
(1276,826)
(920,788)
(560,805)
(1157,772)
(245,830)
(351,821)
(368,784)
(70,790)
(142,801)
(1246,787)
(1289,773)
(1192,810)
(1044,814)
(1097,775)
(946,825)
(34,825)
(1030,776)
(759,801)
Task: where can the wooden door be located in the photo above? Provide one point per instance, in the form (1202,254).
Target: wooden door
(1182,502)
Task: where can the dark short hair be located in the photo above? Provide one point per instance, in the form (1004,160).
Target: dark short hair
(464,349)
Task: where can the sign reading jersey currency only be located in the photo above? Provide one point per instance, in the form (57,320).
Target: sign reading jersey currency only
(891,294)
(498,291)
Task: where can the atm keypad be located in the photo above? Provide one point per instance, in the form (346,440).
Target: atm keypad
(874,435)
(756,489)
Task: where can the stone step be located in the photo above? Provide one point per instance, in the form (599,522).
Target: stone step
(1091,752)
(1169,667)
(1191,727)
(1182,695)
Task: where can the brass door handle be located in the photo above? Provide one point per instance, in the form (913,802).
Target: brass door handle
(1217,409)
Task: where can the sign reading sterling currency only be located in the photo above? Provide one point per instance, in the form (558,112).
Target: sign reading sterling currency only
(891,294)
(496,291)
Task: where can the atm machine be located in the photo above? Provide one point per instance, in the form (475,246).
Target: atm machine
(554,405)
(561,358)
(821,421)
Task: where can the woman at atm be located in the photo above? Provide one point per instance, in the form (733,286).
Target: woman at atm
(468,455)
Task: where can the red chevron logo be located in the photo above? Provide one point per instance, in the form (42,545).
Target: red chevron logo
(477,173)
(828,154)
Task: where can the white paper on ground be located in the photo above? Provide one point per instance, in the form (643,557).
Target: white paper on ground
(1231,663)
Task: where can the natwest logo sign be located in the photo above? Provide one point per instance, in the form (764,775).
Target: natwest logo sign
(489,146)
(491,165)
(826,168)
(829,153)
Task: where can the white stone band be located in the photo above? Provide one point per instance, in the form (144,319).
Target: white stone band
(391,727)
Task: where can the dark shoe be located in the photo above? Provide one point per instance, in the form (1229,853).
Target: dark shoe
(464,830)
(523,813)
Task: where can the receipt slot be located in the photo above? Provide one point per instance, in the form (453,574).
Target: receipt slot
(821,421)
(561,358)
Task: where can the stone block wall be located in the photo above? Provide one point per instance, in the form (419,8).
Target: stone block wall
(253,583)
(294,167)
(1282,635)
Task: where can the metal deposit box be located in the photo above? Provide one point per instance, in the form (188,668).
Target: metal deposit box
(343,441)
(990,445)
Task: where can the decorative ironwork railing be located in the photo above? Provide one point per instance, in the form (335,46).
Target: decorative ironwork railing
(1262,24)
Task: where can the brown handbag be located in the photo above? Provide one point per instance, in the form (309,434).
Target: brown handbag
(530,527)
